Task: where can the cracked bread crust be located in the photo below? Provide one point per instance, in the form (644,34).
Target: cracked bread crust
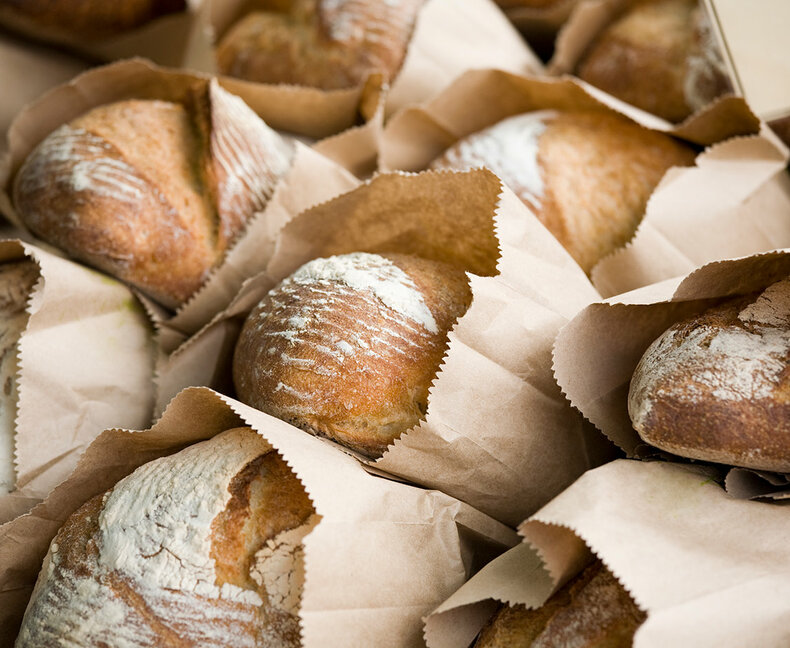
(164,558)
(591,611)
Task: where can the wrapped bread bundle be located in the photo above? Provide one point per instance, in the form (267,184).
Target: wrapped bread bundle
(680,563)
(172,183)
(104,31)
(77,356)
(659,55)
(416,46)
(586,175)
(217,526)
(672,219)
(364,333)
(694,366)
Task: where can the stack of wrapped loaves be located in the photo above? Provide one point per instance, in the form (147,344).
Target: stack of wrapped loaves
(364,325)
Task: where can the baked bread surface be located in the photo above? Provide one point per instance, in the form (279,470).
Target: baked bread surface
(586,175)
(716,387)
(152,192)
(82,19)
(660,56)
(328,44)
(17,279)
(591,611)
(202,548)
(347,346)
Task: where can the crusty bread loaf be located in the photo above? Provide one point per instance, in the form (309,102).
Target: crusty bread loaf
(716,387)
(17,279)
(587,176)
(348,346)
(320,43)
(152,192)
(660,56)
(82,19)
(202,548)
(591,611)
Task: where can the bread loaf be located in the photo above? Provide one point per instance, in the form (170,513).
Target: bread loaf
(152,192)
(587,176)
(201,548)
(660,56)
(591,611)
(716,387)
(347,346)
(327,44)
(82,19)
(17,279)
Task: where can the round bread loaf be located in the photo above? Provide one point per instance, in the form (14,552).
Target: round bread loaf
(586,175)
(201,548)
(660,56)
(591,611)
(327,44)
(347,346)
(82,19)
(152,192)
(716,387)
(17,279)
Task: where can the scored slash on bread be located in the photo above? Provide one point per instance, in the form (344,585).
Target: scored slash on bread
(347,346)
(153,192)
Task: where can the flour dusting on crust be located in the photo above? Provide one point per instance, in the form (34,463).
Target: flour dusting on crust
(509,149)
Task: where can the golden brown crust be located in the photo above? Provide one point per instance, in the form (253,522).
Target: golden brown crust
(337,361)
(152,192)
(592,177)
(321,44)
(591,611)
(716,387)
(79,600)
(658,57)
(82,19)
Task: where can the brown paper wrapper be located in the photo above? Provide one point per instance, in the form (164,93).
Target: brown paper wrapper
(394,551)
(541,24)
(449,38)
(734,202)
(137,79)
(709,570)
(481,98)
(86,362)
(27,71)
(509,427)
(596,353)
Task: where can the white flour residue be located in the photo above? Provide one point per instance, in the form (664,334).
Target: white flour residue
(278,567)
(728,363)
(509,149)
(81,162)
(156,523)
(361,271)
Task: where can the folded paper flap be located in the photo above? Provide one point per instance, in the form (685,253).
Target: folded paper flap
(450,38)
(653,524)
(734,202)
(85,362)
(596,353)
(755,484)
(295,191)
